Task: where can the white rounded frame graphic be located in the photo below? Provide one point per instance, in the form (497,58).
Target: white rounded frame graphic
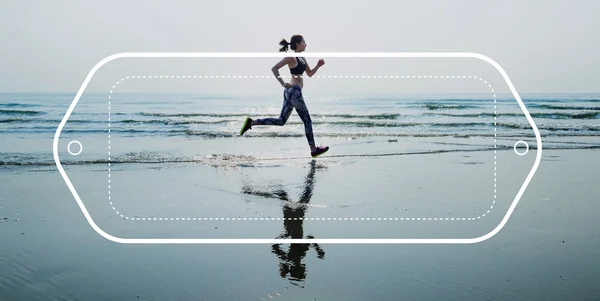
(279,241)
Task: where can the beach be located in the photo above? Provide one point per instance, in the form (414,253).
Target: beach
(402,168)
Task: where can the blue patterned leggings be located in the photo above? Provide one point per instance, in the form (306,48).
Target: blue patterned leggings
(292,99)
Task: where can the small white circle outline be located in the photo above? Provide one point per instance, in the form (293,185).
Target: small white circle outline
(526,148)
(69,148)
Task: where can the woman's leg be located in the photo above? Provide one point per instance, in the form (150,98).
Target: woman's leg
(292,100)
(286,111)
(298,102)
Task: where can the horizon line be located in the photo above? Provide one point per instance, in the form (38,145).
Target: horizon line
(75,92)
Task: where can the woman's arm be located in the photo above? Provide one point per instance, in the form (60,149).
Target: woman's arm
(311,72)
(276,68)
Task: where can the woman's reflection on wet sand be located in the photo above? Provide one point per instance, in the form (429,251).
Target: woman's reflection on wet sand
(291,260)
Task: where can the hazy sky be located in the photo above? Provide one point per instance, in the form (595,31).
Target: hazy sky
(545,46)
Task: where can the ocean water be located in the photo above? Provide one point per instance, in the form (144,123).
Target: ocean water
(564,120)
(180,155)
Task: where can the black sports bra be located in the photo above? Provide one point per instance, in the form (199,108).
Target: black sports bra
(300,67)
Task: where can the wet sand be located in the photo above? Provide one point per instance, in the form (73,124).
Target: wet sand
(547,250)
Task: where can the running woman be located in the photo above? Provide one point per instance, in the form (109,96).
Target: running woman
(292,94)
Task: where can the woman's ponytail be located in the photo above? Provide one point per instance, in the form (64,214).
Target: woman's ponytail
(284,45)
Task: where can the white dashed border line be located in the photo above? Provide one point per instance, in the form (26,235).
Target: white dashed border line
(309,218)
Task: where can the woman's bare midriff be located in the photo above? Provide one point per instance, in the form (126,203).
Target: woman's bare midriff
(296,80)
